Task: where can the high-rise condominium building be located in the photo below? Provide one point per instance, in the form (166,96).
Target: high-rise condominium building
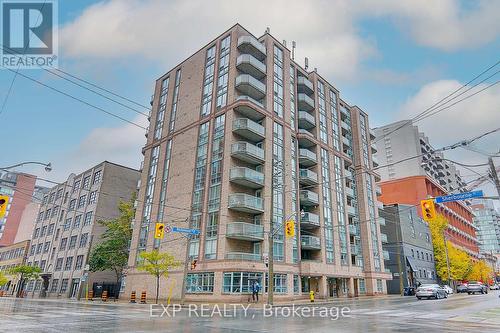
(487,220)
(241,139)
(66,230)
(401,141)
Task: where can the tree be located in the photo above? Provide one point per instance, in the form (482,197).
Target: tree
(112,253)
(3,279)
(157,264)
(460,263)
(481,272)
(25,273)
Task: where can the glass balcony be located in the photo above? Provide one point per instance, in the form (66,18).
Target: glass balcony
(305,102)
(308,242)
(248,64)
(385,254)
(245,231)
(308,177)
(372,134)
(374,147)
(307,158)
(246,203)
(381,220)
(247,152)
(304,85)
(309,220)
(251,108)
(306,120)
(308,198)
(249,129)
(354,230)
(349,191)
(383,238)
(305,138)
(250,86)
(250,45)
(345,128)
(351,210)
(246,177)
(243,256)
(346,141)
(355,249)
(375,161)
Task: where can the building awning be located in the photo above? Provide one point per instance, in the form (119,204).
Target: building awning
(412,264)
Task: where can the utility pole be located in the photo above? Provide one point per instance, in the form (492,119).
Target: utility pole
(400,270)
(447,258)
(270,274)
(494,174)
(184,273)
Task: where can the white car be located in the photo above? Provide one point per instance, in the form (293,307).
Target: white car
(448,289)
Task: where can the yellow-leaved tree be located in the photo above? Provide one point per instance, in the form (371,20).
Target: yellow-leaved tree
(481,272)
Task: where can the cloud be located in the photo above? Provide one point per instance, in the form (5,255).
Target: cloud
(445,25)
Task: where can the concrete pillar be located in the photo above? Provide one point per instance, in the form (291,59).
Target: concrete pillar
(323,287)
(351,287)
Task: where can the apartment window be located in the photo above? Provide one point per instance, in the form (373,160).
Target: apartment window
(32,250)
(277,191)
(47,214)
(200,283)
(62,245)
(44,200)
(37,233)
(44,230)
(223,76)
(296,284)
(66,195)
(292,97)
(42,264)
(211,236)
(327,205)
(97,177)
(69,263)
(88,218)
(57,234)
(72,204)
(39,248)
(79,262)
(84,239)
(59,194)
(86,182)
(164,181)
(76,222)
(278,81)
(362,286)
(54,285)
(59,263)
(64,286)
(72,242)
(240,282)
(38,284)
(40,217)
(46,247)
(208,82)
(55,211)
(67,224)
(92,197)
(76,185)
(323,131)
(280,285)
(53,253)
(380,288)
(61,216)
(51,197)
(175,100)
(82,200)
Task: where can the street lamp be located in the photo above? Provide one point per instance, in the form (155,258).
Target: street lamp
(48,166)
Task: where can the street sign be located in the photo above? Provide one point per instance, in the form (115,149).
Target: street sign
(459,196)
(168,229)
(186,230)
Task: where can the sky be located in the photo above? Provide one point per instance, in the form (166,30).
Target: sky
(392,58)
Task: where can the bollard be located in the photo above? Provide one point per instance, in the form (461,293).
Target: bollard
(90,295)
(132,297)
(104,296)
(311,296)
(143,297)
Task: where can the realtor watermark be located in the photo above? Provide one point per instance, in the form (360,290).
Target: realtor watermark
(245,311)
(29,34)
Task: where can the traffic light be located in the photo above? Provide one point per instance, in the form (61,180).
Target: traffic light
(4,201)
(290,228)
(159,230)
(193,264)
(428,209)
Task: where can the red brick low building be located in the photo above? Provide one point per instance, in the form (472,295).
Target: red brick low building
(410,190)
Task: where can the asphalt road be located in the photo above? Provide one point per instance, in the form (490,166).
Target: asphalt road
(458,313)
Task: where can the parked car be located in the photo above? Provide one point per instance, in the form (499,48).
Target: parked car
(448,289)
(430,290)
(494,287)
(476,287)
(462,288)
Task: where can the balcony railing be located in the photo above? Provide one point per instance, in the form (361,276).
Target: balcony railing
(375,161)
(246,177)
(346,141)
(305,102)
(245,231)
(374,147)
(308,242)
(308,198)
(351,210)
(250,45)
(383,238)
(246,203)
(307,158)
(250,86)
(249,129)
(349,191)
(309,220)
(247,152)
(308,177)
(355,249)
(304,85)
(372,134)
(306,138)
(348,174)
(250,110)
(243,256)
(250,65)
(354,229)
(306,120)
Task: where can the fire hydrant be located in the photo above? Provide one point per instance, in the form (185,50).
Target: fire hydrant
(311,296)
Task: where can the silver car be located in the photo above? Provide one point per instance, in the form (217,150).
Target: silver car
(431,290)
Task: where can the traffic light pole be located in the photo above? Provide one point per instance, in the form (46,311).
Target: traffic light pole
(447,259)
(184,273)
(494,174)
